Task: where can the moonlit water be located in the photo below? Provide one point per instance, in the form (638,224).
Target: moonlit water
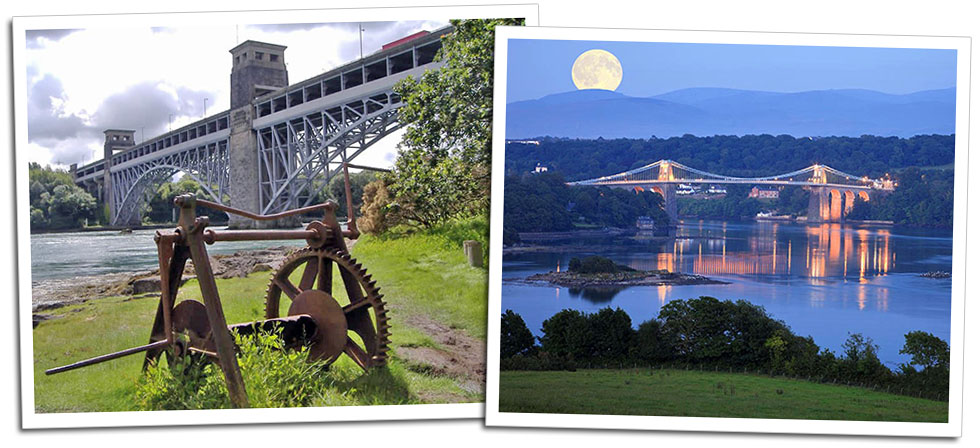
(65,255)
(824,281)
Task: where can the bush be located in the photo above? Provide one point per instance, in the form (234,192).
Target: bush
(274,378)
(375,207)
(596,265)
(537,361)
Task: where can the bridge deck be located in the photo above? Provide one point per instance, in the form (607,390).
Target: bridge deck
(721,181)
(353,81)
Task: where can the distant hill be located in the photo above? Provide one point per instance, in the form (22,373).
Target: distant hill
(717,111)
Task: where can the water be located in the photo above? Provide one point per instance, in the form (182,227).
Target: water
(66,255)
(824,281)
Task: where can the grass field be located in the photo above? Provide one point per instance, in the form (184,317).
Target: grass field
(420,273)
(704,394)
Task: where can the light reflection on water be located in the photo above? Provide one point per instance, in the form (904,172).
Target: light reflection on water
(823,280)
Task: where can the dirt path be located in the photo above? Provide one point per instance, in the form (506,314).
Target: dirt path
(462,356)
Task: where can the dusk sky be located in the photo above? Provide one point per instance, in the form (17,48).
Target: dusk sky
(536,68)
(81,82)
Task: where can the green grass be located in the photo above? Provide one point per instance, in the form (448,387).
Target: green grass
(704,394)
(426,273)
(419,273)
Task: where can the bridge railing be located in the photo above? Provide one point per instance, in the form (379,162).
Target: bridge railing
(196,130)
(412,54)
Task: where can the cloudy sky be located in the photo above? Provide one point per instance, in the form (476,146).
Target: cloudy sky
(83,81)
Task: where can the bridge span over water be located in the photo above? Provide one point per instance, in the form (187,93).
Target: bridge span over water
(279,144)
(832,192)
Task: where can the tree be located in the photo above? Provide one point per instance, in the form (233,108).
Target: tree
(159,204)
(927,351)
(860,361)
(515,338)
(337,191)
(612,335)
(651,344)
(56,202)
(443,166)
(567,334)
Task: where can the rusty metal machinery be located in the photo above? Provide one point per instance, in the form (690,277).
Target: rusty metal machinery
(301,303)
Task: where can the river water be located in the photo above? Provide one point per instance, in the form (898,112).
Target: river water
(824,281)
(66,255)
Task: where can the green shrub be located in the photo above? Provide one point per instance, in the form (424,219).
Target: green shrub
(274,377)
(596,265)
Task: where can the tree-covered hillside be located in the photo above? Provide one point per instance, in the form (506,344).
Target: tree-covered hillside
(749,155)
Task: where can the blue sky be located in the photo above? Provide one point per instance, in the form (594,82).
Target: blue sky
(537,68)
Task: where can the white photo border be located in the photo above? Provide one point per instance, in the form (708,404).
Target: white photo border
(953,426)
(30,419)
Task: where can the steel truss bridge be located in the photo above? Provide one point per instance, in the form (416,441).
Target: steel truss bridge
(302,135)
(832,192)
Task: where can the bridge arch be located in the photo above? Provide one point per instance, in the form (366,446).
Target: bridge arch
(295,154)
(836,212)
(128,210)
(848,201)
(638,190)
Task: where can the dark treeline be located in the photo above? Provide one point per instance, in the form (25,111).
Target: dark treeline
(542,202)
(713,334)
(750,155)
(923,198)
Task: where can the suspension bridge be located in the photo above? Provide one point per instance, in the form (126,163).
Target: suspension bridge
(279,144)
(832,192)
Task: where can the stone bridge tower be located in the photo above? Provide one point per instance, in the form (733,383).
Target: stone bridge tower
(115,140)
(257,68)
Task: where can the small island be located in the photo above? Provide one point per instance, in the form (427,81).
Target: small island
(596,271)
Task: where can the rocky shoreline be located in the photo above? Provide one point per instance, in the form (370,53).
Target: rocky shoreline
(622,279)
(50,295)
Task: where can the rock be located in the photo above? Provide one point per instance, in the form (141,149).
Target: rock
(145,285)
(38,318)
(261,267)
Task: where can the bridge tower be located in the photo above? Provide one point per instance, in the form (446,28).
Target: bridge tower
(257,68)
(115,140)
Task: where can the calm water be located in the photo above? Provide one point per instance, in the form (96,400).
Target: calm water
(824,281)
(65,255)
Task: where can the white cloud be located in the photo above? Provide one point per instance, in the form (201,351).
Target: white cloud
(81,82)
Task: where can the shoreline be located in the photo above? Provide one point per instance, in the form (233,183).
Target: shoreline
(53,294)
(621,279)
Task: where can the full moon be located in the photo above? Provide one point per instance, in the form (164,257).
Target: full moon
(597,69)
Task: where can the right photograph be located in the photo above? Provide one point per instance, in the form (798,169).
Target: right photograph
(728,225)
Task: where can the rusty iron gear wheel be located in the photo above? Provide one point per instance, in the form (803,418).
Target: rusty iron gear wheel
(363,310)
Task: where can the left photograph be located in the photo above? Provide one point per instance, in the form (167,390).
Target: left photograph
(281,209)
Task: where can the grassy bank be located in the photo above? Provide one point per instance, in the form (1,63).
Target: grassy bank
(704,394)
(420,274)
(426,273)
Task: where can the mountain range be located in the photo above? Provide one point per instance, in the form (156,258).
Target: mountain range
(719,111)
